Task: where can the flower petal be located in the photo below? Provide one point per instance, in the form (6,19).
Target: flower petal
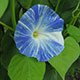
(51,45)
(48,19)
(49,41)
(55,26)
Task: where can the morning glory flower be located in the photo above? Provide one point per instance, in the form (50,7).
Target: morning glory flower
(39,33)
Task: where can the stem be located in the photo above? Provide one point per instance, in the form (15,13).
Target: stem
(11,36)
(12,3)
(71,22)
(65,33)
(6,26)
(74,19)
(57,5)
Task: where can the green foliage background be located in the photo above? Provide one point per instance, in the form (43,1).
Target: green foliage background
(15,66)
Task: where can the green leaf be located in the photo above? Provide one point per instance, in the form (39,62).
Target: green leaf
(6,18)
(25,3)
(24,68)
(8,49)
(74,32)
(3,73)
(51,73)
(1,35)
(6,56)
(6,41)
(3,6)
(29,3)
(66,12)
(45,2)
(54,2)
(63,61)
(67,15)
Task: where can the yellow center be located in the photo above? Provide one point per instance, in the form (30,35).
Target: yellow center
(35,34)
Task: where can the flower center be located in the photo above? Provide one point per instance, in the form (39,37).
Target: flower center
(35,34)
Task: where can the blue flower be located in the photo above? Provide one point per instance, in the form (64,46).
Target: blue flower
(39,33)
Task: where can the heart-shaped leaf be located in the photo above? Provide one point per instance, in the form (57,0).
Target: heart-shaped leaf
(24,68)
(3,6)
(63,61)
(74,32)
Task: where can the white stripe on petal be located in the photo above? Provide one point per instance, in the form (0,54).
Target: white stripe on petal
(27,47)
(19,41)
(56,36)
(47,50)
(19,32)
(51,48)
(24,44)
(32,11)
(19,35)
(29,18)
(40,10)
(40,20)
(34,54)
(24,25)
